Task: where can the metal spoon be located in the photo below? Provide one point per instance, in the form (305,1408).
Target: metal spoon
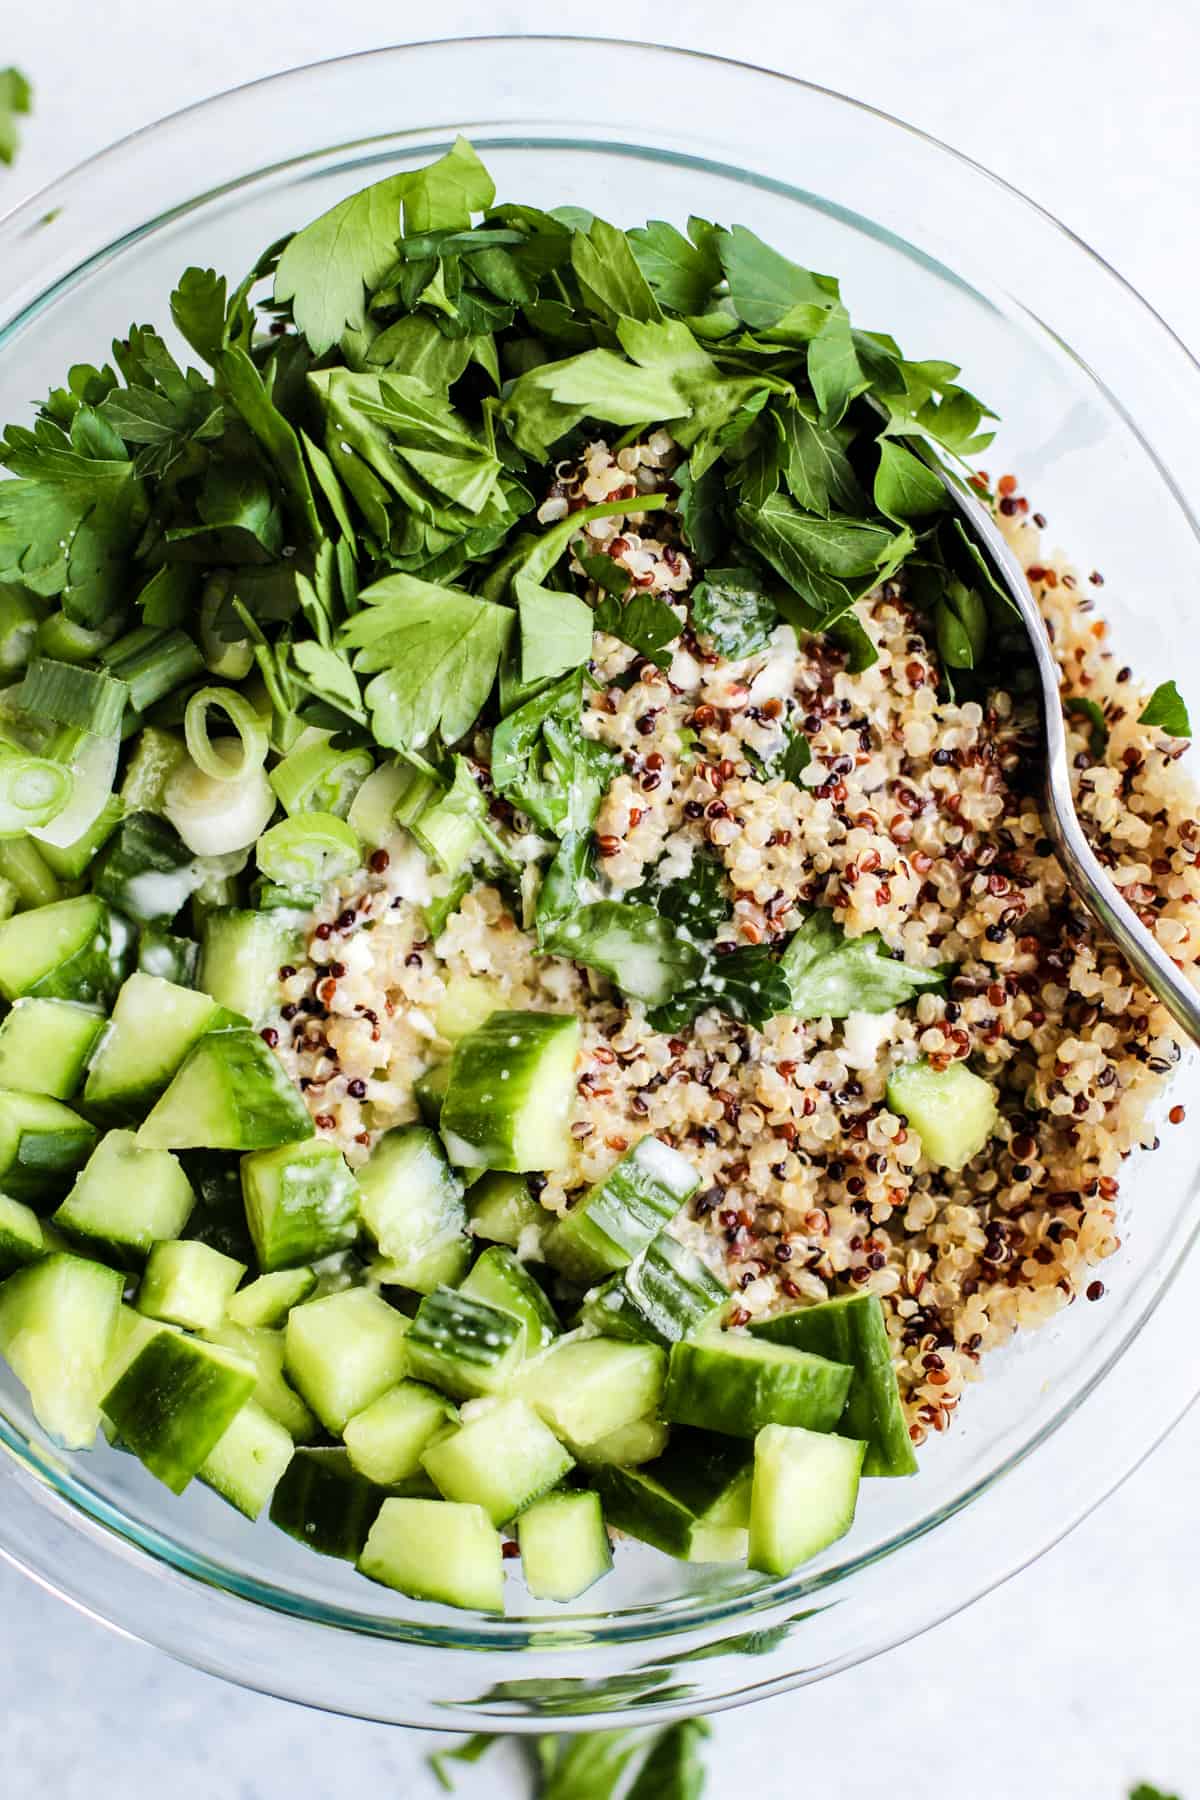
(1093,886)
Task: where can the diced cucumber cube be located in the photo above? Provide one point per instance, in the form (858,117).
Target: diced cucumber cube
(146,870)
(21,1236)
(694,1502)
(463,1346)
(248,1460)
(241,956)
(325,1504)
(45,1045)
(437,1550)
(564,1545)
(663,1295)
(585,1388)
(58,1319)
(502,1281)
(188,1284)
(156,757)
(174,1403)
(629,1445)
(42,1144)
(269,1300)
(231,1093)
(502,1210)
(502,1459)
(69,861)
(387,1440)
(728,1382)
(169,957)
(342,1352)
(952,1111)
(617,1218)
(273,1391)
(154,1024)
(301,1203)
(126,1199)
(70,950)
(132,1334)
(429,1092)
(804,1495)
(468,1001)
(512,1087)
(412,1205)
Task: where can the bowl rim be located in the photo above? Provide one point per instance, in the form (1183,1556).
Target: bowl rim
(642,1625)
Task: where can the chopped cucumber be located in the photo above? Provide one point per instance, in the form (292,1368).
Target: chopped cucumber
(617,1218)
(157,756)
(69,950)
(220,1215)
(22,1239)
(343,1351)
(324,1503)
(241,956)
(154,1024)
(629,1445)
(504,1282)
(301,1203)
(437,1550)
(42,1145)
(429,1092)
(694,1502)
(171,958)
(852,1330)
(125,1199)
(264,1349)
(587,1388)
(502,1210)
(45,1045)
(146,870)
(269,1300)
(728,1382)
(188,1284)
(503,1460)
(229,1094)
(58,1319)
(804,1495)
(247,1462)
(564,1545)
(412,1205)
(69,861)
(468,1002)
(175,1402)
(387,1440)
(952,1111)
(465,1347)
(512,1085)
(133,1333)
(664,1294)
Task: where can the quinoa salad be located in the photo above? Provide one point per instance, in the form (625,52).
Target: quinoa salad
(540,1004)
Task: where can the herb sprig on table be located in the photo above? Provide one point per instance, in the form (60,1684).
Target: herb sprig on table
(594,1765)
(16,100)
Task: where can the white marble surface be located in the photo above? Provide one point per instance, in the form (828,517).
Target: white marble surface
(1079,1677)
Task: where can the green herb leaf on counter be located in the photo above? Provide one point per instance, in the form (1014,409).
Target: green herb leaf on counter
(1165,708)
(471,1750)
(674,1769)
(1143,1791)
(733,611)
(16,100)
(1075,706)
(829,975)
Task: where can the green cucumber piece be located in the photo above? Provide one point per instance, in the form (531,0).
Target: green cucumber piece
(42,1145)
(437,1550)
(301,1203)
(429,1092)
(693,1502)
(412,1205)
(157,756)
(146,870)
(468,1002)
(220,1215)
(45,1045)
(132,1334)
(952,1111)
(241,955)
(804,1495)
(502,1281)
(69,861)
(585,1388)
(21,1237)
(728,1382)
(387,1440)
(852,1330)
(58,1319)
(230,1093)
(343,1351)
(70,950)
(502,1210)
(463,1346)
(629,1445)
(247,1462)
(268,1301)
(125,1199)
(324,1503)
(29,880)
(664,1294)
(153,1026)
(511,1091)
(188,1284)
(618,1217)
(503,1460)
(169,957)
(175,1402)
(565,1547)
(264,1350)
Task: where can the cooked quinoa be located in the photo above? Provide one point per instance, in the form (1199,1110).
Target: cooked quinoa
(917,818)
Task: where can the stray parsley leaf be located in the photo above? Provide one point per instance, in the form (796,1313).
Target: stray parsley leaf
(674,1769)
(16,97)
(1165,708)
(830,975)
(1143,1791)
(1078,707)
(732,609)
(468,1752)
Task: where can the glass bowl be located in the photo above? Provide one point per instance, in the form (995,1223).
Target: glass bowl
(1100,407)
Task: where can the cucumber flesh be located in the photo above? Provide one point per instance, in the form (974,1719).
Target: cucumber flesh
(302,1203)
(188,1284)
(565,1547)
(240,958)
(126,1199)
(154,1025)
(441,1267)
(512,1087)
(412,1205)
(502,1210)
(465,1347)
(503,1460)
(344,1351)
(175,1402)
(22,1239)
(58,1320)
(664,1294)
(230,1093)
(502,1281)
(248,1460)
(324,1503)
(469,1000)
(146,870)
(429,1092)
(45,1045)
(70,950)
(69,861)
(163,954)
(42,1145)
(852,1330)
(629,1445)
(437,1550)
(268,1301)
(585,1388)
(387,1440)
(952,1111)
(616,1220)
(693,1502)
(804,1495)
(725,1381)
(264,1350)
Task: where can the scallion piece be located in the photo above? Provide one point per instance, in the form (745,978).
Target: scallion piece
(314,777)
(92,762)
(308,851)
(152,662)
(215,816)
(32,791)
(87,699)
(63,639)
(19,619)
(22,864)
(214,758)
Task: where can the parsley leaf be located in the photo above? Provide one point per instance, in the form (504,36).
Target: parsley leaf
(674,1769)
(829,562)
(610,281)
(829,975)
(470,1751)
(1076,706)
(1165,708)
(733,611)
(748,983)
(556,630)
(1143,1791)
(682,271)
(833,367)
(629,942)
(766,288)
(791,759)
(16,97)
(547,402)
(644,622)
(543,763)
(699,507)
(698,903)
(198,310)
(906,489)
(815,465)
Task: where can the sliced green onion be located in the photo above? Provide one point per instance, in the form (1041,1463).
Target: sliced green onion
(314,777)
(373,809)
(308,851)
(217,815)
(22,864)
(62,638)
(92,761)
(213,758)
(20,616)
(232,658)
(152,662)
(32,791)
(156,756)
(86,699)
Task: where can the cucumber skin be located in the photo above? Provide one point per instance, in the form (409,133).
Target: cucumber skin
(501,1280)
(507,1056)
(302,1203)
(21,1239)
(175,1401)
(715,1388)
(617,1219)
(92,973)
(667,1503)
(463,1346)
(325,1504)
(851,1330)
(664,1294)
(265,1108)
(565,1548)
(45,1143)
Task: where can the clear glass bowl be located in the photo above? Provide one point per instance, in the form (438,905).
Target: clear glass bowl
(1100,410)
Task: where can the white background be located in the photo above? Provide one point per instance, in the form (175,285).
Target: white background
(1078,1678)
